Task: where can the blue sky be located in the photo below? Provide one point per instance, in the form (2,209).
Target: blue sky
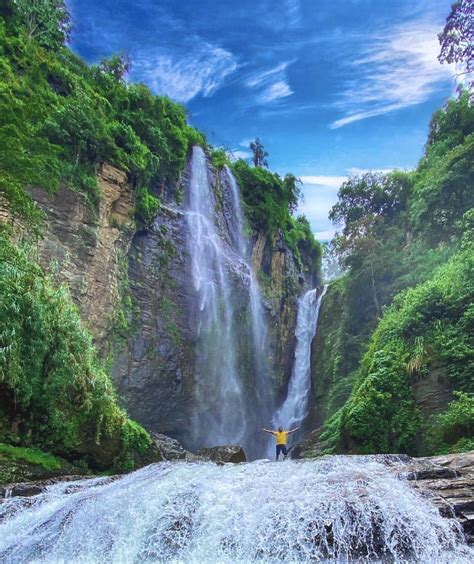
(332,87)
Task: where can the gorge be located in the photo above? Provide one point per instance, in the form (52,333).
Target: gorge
(162,301)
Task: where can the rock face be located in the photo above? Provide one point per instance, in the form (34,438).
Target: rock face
(102,257)
(448,481)
(155,365)
(282,283)
(83,246)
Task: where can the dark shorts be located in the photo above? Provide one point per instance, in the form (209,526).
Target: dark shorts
(281,448)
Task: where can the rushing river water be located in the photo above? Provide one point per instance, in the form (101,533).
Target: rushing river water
(333,509)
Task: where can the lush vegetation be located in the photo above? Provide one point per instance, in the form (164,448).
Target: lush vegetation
(32,456)
(55,394)
(269,204)
(60,119)
(406,298)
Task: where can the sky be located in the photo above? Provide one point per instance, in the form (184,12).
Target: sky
(331,87)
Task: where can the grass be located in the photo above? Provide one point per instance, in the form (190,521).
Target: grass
(32,456)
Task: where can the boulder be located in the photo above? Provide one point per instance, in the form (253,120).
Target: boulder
(224,454)
(448,480)
(170,449)
(30,489)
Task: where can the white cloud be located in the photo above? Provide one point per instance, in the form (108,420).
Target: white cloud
(398,69)
(245,143)
(320,194)
(325,235)
(267,76)
(272,84)
(355,171)
(293,12)
(236,154)
(279,89)
(331,181)
(184,75)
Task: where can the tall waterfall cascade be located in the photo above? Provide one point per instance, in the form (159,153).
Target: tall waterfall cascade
(336,509)
(233,390)
(294,409)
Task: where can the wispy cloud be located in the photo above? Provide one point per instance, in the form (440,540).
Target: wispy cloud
(320,194)
(355,171)
(245,143)
(331,181)
(397,69)
(272,84)
(236,154)
(279,89)
(182,75)
(293,12)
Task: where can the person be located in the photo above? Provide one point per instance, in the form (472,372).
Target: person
(281,437)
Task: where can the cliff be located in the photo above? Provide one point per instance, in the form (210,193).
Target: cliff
(132,287)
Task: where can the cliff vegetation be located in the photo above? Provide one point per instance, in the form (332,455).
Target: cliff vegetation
(403,342)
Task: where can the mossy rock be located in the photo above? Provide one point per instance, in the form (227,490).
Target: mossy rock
(19,464)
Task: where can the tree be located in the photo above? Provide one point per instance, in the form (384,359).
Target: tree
(371,194)
(293,193)
(117,66)
(46,21)
(457,37)
(331,265)
(259,154)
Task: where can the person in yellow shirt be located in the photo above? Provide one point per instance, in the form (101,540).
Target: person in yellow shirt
(281,437)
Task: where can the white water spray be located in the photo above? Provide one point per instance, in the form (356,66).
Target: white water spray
(337,509)
(295,407)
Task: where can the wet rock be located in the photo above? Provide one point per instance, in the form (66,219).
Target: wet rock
(17,470)
(224,454)
(448,480)
(170,449)
(30,489)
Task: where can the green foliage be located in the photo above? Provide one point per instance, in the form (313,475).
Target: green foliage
(52,381)
(269,202)
(46,21)
(398,229)
(443,190)
(60,119)
(431,323)
(147,206)
(454,429)
(32,456)
(219,158)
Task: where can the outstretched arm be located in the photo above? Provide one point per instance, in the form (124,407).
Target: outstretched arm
(268,431)
(293,430)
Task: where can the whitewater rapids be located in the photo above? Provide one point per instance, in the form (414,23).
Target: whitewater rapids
(333,509)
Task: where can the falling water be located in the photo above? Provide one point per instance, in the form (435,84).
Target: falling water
(295,407)
(259,327)
(337,509)
(227,411)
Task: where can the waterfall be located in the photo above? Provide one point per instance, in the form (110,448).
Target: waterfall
(295,407)
(337,509)
(228,410)
(259,327)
